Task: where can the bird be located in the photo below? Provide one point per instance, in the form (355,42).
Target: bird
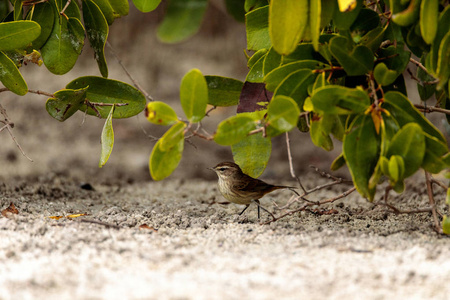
(240,188)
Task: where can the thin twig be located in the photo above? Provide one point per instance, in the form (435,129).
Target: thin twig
(418,64)
(430,109)
(329,176)
(135,82)
(65,7)
(306,205)
(291,165)
(439,183)
(8,126)
(432,202)
(99,223)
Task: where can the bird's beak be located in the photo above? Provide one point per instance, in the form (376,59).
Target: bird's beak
(212,169)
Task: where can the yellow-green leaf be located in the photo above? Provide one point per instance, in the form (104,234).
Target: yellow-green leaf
(257,29)
(146,5)
(160,113)
(252,154)
(446,225)
(163,163)
(288,20)
(107,139)
(282,115)
(315,12)
(172,136)
(429,13)
(232,130)
(194,95)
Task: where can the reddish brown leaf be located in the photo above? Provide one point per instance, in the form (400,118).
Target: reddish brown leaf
(11,209)
(146,227)
(252,95)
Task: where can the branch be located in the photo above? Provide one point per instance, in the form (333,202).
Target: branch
(432,202)
(135,82)
(8,126)
(432,109)
(291,167)
(306,205)
(418,64)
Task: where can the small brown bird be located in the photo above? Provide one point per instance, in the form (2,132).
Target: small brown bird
(240,188)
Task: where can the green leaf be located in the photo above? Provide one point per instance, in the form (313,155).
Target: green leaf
(366,21)
(409,143)
(404,112)
(232,130)
(11,77)
(435,151)
(182,20)
(223,91)
(76,31)
(43,14)
(287,23)
(338,163)
(315,12)
(334,99)
(107,139)
(383,75)
(160,113)
(282,115)
(442,29)
(172,137)
(235,8)
(146,5)
(277,75)
(320,131)
(256,73)
(373,38)
(120,7)
(344,19)
(103,90)
(295,85)
(447,200)
(446,225)
(65,103)
(272,60)
(252,154)
(18,10)
(257,28)
(256,57)
(106,10)
(443,64)
(163,163)
(429,13)
(18,34)
(194,95)
(356,61)
(396,167)
(361,149)
(58,53)
(97,33)
(409,15)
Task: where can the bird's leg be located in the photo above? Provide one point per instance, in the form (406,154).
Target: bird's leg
(258,203)
(244,209)
(259,206)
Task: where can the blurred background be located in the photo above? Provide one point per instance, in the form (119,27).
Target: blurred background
(72,148)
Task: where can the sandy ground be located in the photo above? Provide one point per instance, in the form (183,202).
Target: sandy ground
(198,250)
(204,251)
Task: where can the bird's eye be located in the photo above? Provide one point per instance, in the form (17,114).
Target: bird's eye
(222,169)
